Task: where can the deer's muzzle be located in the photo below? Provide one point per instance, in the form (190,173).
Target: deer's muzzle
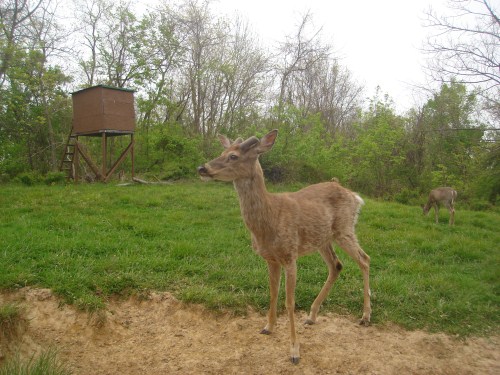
(203,172)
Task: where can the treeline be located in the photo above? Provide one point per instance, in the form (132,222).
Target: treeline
(197,74)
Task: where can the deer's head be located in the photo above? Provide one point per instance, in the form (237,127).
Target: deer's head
(238,160)
(425,209)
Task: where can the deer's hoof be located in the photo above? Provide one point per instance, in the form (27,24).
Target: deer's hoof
(265,332)
(364,322)
(295,360)
(309,322)
(295,353)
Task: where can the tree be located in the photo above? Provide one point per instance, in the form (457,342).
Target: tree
(48,38)
(90,15)
(15,19)
(223,69)
(309,78)
(297,54)
(466,46)
(452,136)
(328,89)
(114,50)
(377,153)
(33,106)
(487,183)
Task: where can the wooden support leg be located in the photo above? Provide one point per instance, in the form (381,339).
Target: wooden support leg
(104,157)
(132,153)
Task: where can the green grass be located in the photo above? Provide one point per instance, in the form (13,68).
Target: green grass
(89,242)
(11,318)
(44,364)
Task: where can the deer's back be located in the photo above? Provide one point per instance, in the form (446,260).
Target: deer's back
(443,194)
(325,210)
(331,195)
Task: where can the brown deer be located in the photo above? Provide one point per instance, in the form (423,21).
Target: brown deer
(286,226)
(445,195)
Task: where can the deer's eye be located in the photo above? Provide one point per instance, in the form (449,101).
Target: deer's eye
(233,157)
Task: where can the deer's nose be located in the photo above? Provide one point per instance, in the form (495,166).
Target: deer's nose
(202,170)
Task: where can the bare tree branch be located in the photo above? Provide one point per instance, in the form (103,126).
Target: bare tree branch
(465,46)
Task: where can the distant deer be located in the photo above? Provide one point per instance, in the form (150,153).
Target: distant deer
(288,225)
(445,195)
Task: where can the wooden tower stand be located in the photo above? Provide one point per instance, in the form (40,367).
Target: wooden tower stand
(99,111)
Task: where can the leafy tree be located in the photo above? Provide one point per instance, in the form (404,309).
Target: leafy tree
(33,106)
(303,152)
(453,135)
(15,30)
(377,156)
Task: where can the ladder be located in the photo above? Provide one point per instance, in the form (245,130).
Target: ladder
(68,156)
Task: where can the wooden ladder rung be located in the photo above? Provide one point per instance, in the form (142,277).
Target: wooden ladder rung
(69,154)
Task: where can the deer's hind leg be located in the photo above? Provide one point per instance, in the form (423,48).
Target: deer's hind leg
(334,268)
(350,245)
(451,210)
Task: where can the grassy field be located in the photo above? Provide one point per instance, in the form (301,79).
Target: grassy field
(89,242)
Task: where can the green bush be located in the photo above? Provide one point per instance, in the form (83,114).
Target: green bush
(4,177)
(35,178)
(176,171)
(55,178)
(406,196)
(29,178)
(479,205)
(174,154)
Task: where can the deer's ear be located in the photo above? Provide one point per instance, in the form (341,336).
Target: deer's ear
(238,141)
(267,142)
(249,143)
(226,143)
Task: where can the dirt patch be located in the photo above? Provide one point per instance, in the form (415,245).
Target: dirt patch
(160,335)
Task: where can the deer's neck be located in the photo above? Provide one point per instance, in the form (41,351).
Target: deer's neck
(254,199)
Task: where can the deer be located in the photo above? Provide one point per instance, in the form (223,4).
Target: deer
(286,226)
(445,195)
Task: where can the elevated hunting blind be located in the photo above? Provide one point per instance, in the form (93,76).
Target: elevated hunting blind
(99,111)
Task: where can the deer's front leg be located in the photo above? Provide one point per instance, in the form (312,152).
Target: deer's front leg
(436,212)
(290,282)
(274,285)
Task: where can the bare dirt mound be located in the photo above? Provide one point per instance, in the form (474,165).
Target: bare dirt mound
(162,336)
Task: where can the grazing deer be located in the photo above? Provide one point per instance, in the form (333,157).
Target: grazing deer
(288,225)
(444,195)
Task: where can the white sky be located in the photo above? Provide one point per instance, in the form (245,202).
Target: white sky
(377,40)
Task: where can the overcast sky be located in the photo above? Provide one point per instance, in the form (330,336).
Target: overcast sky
(377,40)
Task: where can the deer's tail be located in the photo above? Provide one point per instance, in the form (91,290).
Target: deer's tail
(360,202)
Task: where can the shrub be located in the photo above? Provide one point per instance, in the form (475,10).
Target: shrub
(479,205)
(406,196)
(55,178)
(175,155)
(29,178)
(4,177)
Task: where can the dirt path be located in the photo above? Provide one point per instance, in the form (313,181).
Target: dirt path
(162,336)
